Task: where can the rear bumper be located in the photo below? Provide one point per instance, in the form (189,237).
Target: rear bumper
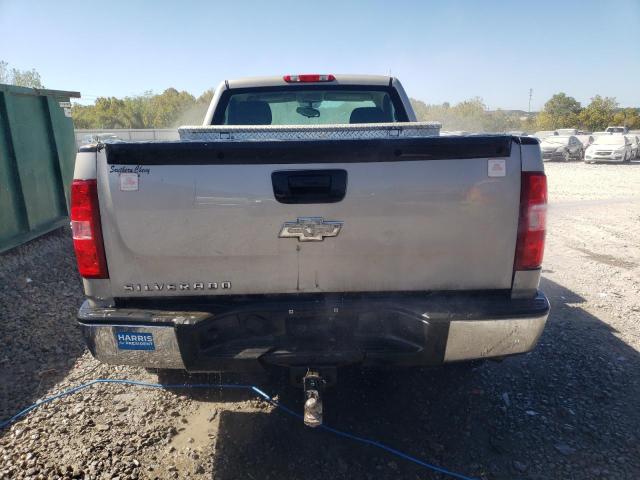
(248,333)
(552,156)
(604,158)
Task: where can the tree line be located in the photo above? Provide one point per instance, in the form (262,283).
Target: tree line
(469,115)
(169,109)
(172,108)
(560,111)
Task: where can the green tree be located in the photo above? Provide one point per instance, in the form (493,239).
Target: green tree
(137,110)
(206,97)
(529,124)
(599,113)
(195,114)
(167,107)
(84,116)
(627,117)
(469,115)
(501,121)
(27,78)
(111,113)
(23,78)
(421,109)
(560,111)
(466,115)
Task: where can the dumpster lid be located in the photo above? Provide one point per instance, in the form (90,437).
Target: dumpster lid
(38,91)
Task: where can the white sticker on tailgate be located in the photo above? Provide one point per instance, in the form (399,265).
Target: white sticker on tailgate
(128,182)
(497,167)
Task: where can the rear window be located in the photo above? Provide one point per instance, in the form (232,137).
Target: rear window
(309,105)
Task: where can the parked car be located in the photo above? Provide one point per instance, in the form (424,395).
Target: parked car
(544,133)
(586,140)
(609,148)
(99,138)
(211,254)
(597,134)
(518,133)
(567,131)
(634,140)
(617,130)
(561,147)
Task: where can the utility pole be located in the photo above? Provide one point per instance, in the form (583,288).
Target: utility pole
(530,95)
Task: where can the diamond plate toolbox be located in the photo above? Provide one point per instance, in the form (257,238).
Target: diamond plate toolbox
(309,132)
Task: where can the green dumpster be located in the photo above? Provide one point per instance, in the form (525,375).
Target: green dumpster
(37,154)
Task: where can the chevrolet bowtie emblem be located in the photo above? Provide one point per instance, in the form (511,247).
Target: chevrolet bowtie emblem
(310,229)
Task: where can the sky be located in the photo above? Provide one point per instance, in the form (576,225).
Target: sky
(442,51)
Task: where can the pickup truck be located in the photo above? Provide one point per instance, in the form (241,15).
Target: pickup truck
(311,222)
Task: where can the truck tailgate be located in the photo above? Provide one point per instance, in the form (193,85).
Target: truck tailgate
(201,218)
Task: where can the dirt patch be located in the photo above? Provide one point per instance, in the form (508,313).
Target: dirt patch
(607,259)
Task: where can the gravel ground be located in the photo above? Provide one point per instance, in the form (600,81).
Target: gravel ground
(567,410)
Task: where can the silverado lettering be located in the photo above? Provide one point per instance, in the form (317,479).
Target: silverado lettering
(158,287)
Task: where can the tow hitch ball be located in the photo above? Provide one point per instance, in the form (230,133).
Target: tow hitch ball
(313,385)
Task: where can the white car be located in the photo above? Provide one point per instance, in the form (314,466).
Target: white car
(567,131)
(586,140)
(617,130)
(99,138)
(635,145)
(598,134)
(609,148)
(542,134)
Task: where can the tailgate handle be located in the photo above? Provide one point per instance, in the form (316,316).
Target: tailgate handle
(309,186)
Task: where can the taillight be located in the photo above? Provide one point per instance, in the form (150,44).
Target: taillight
(308,77)
(533,221)
(85,227)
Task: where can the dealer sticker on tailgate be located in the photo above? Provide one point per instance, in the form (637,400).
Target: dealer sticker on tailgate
(135,340)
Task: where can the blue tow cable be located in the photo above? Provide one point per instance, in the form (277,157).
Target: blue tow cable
(251,388)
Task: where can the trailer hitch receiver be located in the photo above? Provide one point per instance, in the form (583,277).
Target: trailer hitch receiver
(313,385)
